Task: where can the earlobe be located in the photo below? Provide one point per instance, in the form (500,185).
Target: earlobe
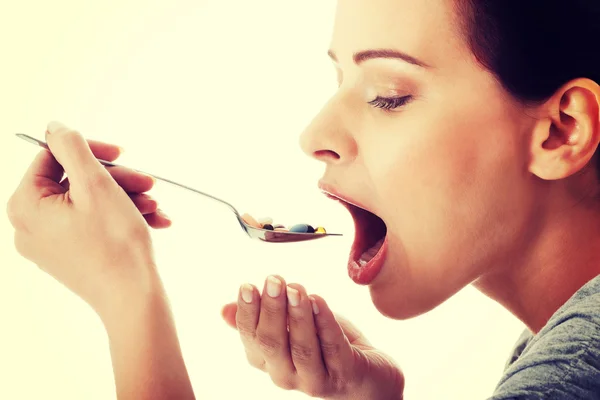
(567,132)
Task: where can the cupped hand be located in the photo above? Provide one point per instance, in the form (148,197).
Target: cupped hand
(90,230)
(303,346)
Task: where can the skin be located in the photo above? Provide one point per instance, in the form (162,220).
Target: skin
(474,187)
(90,233)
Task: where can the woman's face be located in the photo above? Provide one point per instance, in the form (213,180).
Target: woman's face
(444,166)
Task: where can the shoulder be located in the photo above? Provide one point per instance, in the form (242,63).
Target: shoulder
(563,360)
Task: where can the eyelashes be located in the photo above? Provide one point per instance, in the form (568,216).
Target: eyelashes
(390,103)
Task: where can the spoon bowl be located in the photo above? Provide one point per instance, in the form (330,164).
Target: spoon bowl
(264,235)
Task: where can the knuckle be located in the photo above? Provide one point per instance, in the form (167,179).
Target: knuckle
(271,310)
(14,211)
(284,382)
(297,318)
(269,344)
(255,361)
(302,353)
(331,350)
(66,135)
(246,332)
(314,389)
(259,365)
(97,180)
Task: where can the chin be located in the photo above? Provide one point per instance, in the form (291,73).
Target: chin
(395,306)
(402,296)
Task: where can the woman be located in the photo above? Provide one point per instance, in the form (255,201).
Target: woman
(465,131)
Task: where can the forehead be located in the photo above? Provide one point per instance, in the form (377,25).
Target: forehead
(426,29)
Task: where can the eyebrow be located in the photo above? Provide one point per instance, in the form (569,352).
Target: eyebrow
(365,55)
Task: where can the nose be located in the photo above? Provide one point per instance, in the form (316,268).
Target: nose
(328,137)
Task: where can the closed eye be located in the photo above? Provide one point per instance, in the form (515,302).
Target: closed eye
(390,103)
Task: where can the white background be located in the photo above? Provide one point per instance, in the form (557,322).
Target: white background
(213,94)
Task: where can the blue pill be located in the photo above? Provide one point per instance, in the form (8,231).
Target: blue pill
(302,228)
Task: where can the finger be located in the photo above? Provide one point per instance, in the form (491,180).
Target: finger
(304,343)
(272,334)
(131,181)
(46,166)
(228,312)
(144,203)
(246,321)
(104,151)
(335,347)
(73,152)
(355,337)
(158,220)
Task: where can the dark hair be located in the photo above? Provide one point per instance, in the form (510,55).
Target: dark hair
(533,47)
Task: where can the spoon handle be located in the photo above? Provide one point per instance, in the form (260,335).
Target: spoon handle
(111,164)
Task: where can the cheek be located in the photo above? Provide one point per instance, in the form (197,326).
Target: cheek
(443,181)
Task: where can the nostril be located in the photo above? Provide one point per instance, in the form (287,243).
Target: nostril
(326,155)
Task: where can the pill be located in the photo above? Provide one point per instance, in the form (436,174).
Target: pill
(268,227)
(251,221)
(276,226)
(320,229)
(281,230)
(302,228)
(265,221)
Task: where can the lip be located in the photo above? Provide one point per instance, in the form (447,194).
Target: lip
(333,192)
(366,275)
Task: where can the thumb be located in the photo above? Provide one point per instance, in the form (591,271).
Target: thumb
(228,313)
(354,335)
(73,152)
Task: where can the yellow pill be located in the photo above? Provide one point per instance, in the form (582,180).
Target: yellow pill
(320,229)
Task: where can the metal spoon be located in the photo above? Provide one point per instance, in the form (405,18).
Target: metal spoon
(254,233)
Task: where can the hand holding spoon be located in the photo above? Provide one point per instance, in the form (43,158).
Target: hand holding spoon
(253,232)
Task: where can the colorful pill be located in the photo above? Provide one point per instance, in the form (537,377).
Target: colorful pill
(320,229)
(268,227)
(302,228)
(251,221)
(265,221)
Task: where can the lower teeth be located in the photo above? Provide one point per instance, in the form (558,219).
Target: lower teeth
(369,254)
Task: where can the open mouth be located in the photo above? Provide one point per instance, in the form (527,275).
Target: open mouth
(368,250)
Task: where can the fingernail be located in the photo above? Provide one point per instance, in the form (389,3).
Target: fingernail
(53,126)
(121,150)
(293,296)
(273,286)
(315,307)
(247,292)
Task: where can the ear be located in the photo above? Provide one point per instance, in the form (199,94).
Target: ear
(567,131)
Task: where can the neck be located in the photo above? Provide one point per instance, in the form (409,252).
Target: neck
(564,256)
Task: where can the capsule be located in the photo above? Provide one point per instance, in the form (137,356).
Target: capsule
(302,228)
(320,229)
(249,219)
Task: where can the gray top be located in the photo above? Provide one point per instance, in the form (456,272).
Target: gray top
(563,360)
